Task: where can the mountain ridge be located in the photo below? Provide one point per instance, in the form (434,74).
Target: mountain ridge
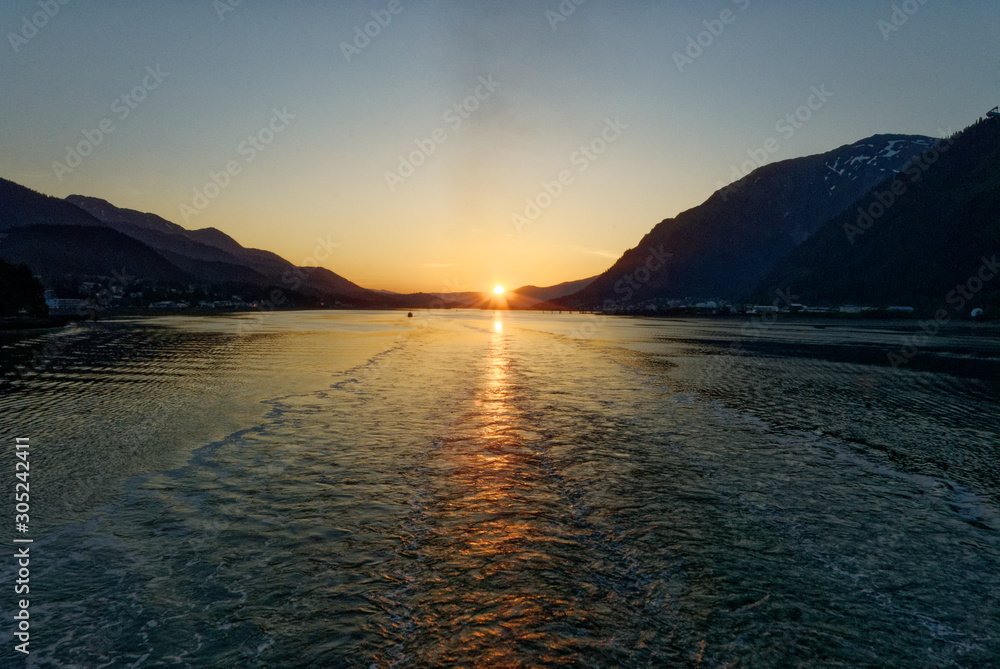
(772,226)
(187,247)
(724,247)
(915,237)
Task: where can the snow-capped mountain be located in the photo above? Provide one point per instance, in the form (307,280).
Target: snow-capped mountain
(724,247)
(927,237)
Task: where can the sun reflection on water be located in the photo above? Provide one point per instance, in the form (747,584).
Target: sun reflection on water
(493,549)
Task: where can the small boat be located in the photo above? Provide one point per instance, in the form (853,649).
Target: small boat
(409,314)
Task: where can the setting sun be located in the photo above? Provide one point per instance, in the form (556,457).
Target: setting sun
(499,290)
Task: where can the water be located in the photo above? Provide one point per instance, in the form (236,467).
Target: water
(513,489)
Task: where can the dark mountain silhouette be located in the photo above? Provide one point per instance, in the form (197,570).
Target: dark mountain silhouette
(914,238)
(20,206)
(726,246)
(66,241)
(86,237)
(552,292)
(872,222)
(58,252)
(191,249)
(526,297)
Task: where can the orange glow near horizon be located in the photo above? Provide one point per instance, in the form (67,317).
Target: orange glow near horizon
(498,290)
(497,300)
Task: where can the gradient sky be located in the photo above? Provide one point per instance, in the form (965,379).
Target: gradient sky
(449,225)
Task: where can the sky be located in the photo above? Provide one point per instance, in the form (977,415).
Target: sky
(440,145)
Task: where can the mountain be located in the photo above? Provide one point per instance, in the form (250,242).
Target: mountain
(20,206)
(724,247)
(83,239)
(57,240)
(192,249)
(61,252)
(914,239)
(552,292)
(526,297)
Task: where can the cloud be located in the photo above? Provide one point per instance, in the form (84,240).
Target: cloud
(594,252)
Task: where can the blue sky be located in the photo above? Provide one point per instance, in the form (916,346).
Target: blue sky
(592,124)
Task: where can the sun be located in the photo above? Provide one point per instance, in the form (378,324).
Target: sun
(498,290)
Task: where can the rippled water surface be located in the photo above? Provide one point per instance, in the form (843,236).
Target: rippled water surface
(512,490)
